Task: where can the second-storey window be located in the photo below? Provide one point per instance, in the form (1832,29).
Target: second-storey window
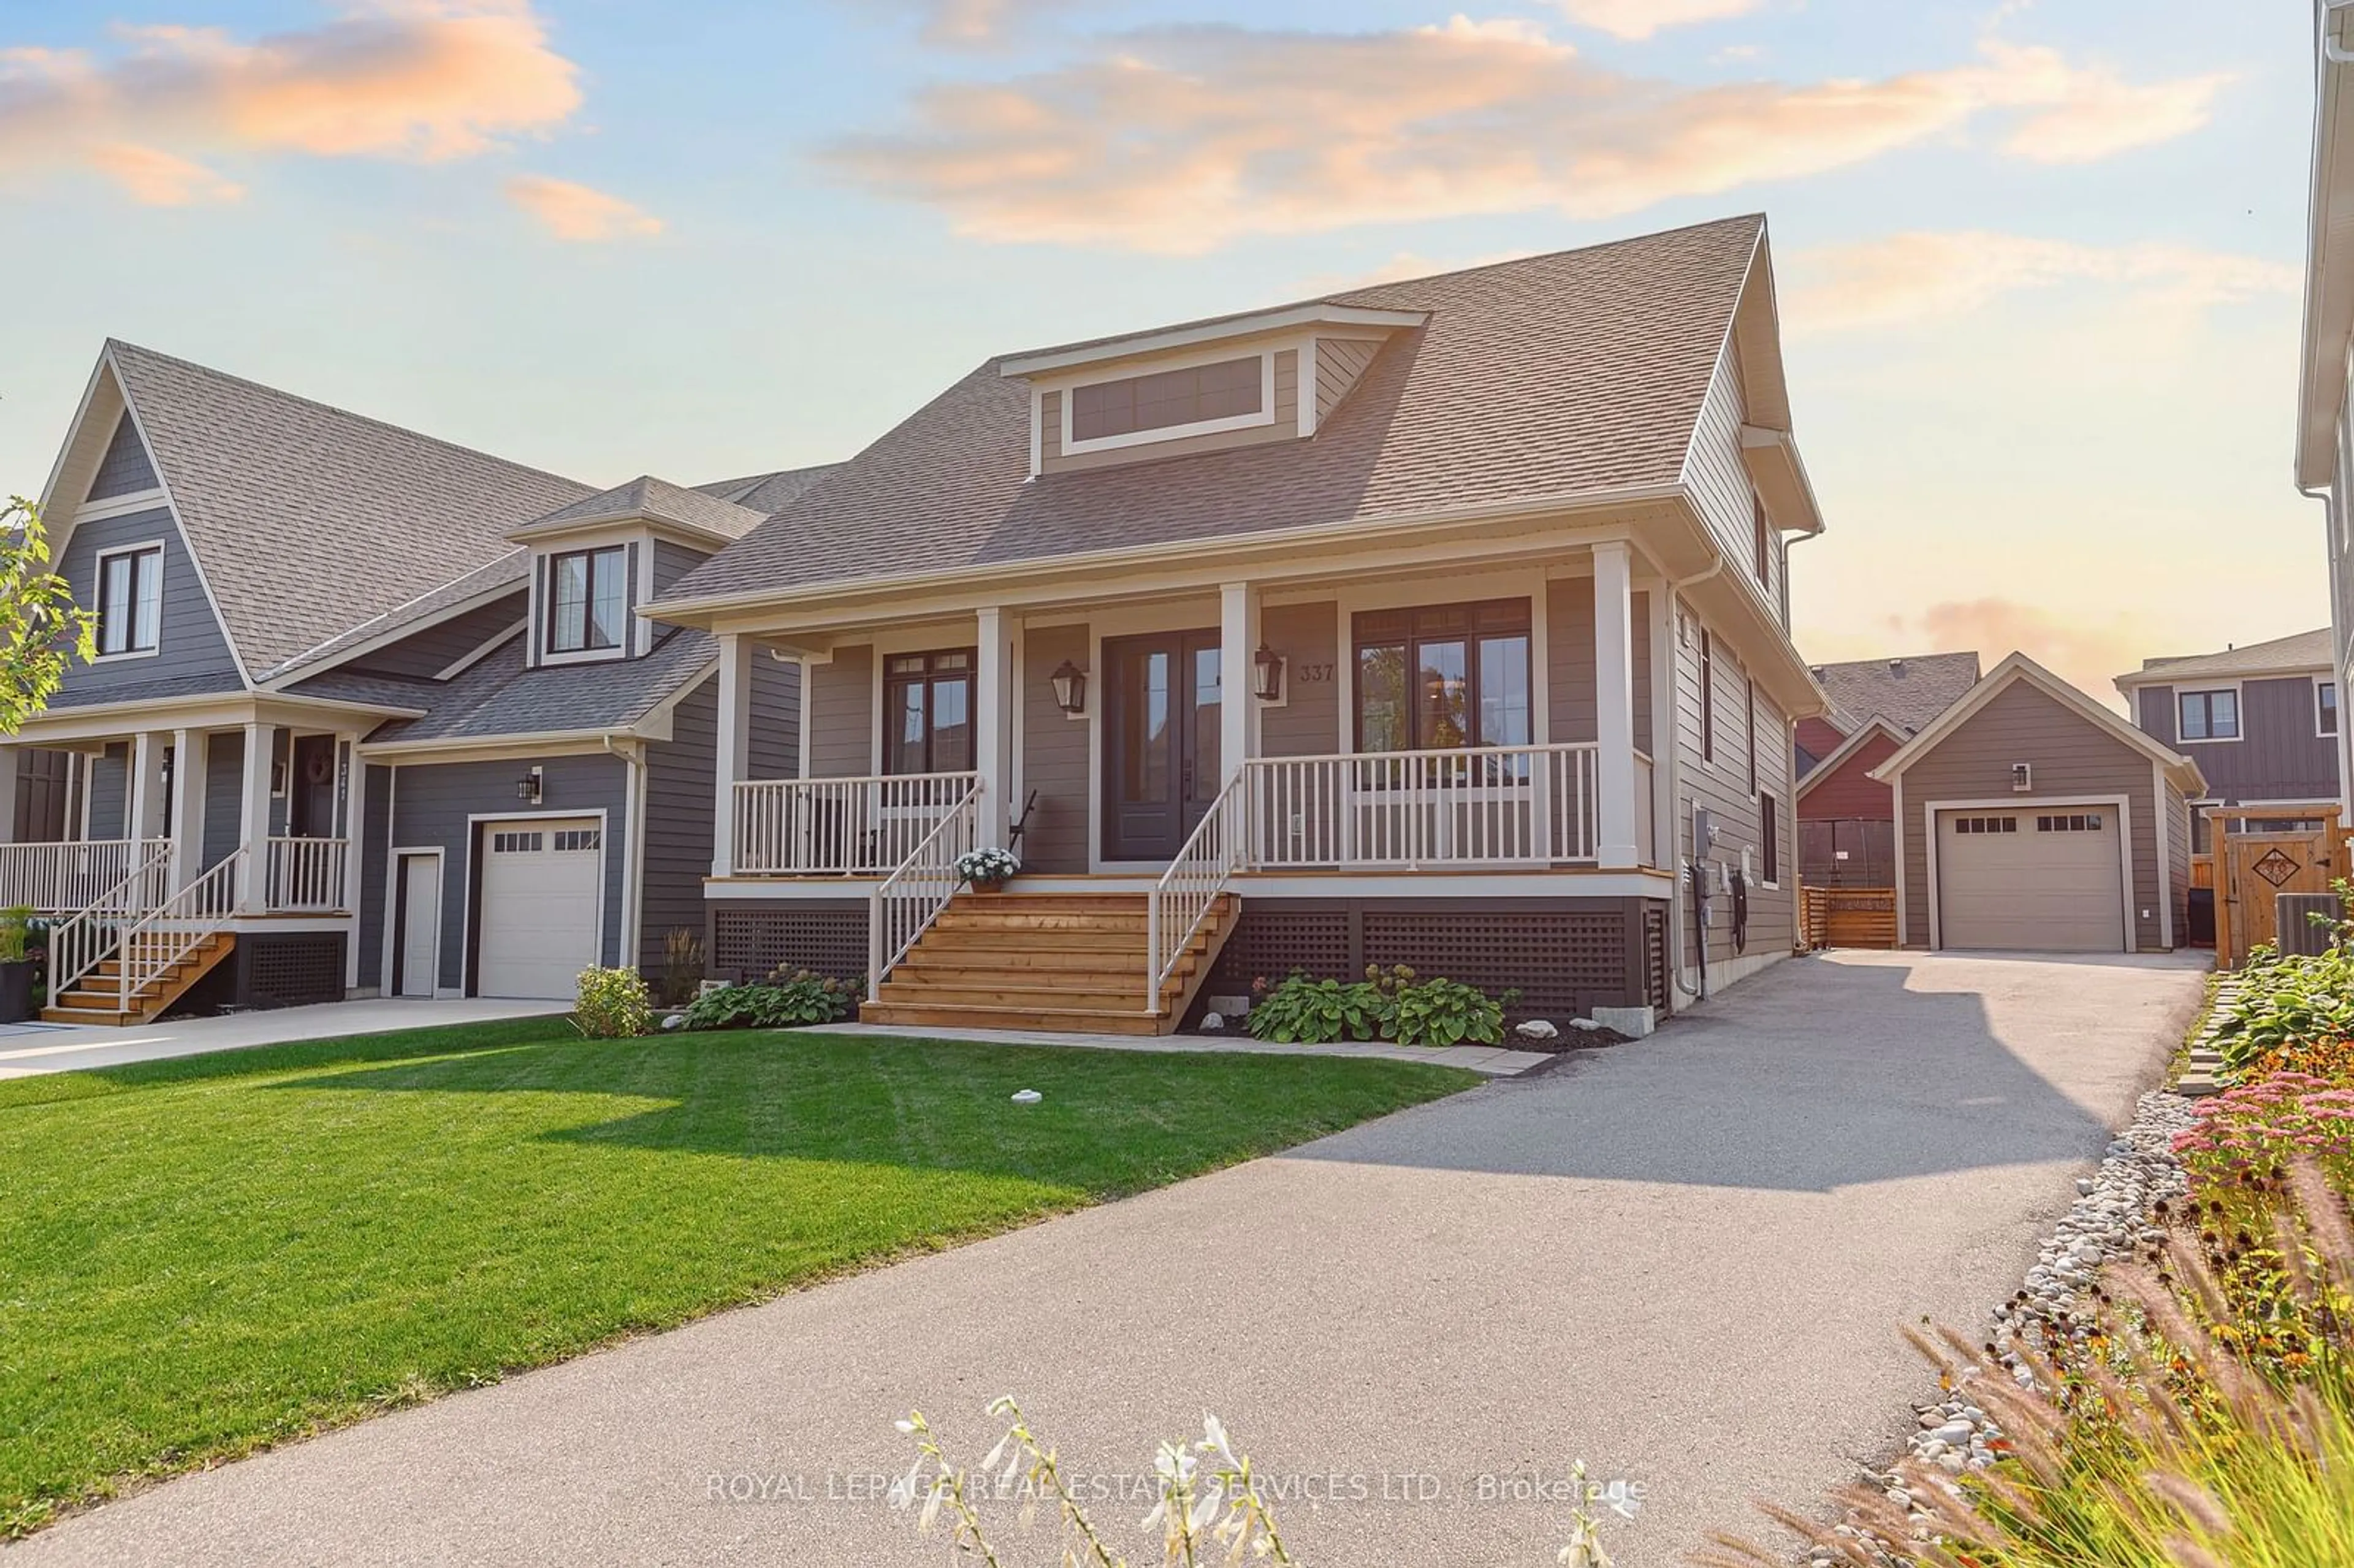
(2325,707)
(927,712)
(2210,716)
(588,600)
(1444,676)
(131,600)
(1167,400)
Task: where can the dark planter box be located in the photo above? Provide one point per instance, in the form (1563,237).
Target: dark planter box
(17,991)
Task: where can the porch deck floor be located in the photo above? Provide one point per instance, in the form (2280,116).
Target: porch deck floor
(1492,1061)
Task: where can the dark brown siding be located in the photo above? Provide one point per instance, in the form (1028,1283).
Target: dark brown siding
(1307,723)
(2279,757)
(842,714)
(1053,752)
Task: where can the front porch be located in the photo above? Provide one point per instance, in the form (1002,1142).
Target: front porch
(1447,740)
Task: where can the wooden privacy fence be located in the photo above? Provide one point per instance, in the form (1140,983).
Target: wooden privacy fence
(2252,869)
(1848,916)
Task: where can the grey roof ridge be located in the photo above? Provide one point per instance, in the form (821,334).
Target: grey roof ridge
(1348,295)
(342,412)
(388,619)
(657,693)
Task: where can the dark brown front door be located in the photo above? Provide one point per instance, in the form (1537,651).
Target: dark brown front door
(311,794)
(1160,741)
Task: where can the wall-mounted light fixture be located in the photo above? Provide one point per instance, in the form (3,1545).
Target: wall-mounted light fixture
(1070,684)
(528,787)
(1266,674)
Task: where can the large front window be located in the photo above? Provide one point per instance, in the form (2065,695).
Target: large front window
(588,600)
(2210,716)
(131,600)
(927,712)
(1442,677)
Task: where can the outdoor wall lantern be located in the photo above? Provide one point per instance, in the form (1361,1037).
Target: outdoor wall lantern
(1266,674)
(1070,687)
(527,788)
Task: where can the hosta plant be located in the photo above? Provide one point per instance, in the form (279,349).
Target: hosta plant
(783,1001)
(2284,1003)
(1299,1011)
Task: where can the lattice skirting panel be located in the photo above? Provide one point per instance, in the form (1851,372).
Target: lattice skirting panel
(290,970)
(827,937)
(1566,957)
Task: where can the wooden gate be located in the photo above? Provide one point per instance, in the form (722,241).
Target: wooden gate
(1848,916)
(2252,868)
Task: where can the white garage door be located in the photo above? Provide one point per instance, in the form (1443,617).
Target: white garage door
(2034,879)
(542,885)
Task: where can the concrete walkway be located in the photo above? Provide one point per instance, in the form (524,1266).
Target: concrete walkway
(1683,1260)
(27,1049)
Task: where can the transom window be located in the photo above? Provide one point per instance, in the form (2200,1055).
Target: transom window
(2209,715)
(1986,824)
(1167,400)
(571,840)
(2074,822)
(515,843)
(2325,707)
(131,600)
(927,712)
(588,600)
(1444,676)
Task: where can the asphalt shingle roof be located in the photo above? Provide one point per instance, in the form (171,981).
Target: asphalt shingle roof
(308,520)
(2305,651)
(1907,692)
(511,570)
(646,496)
(499,697)
(1558,375)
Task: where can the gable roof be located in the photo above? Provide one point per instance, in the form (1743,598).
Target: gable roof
(2019,668)
(769,494)
(1836,758)
(306,519)
(1907,692)
(656,501)
(499,698)
(2281,656)
(1541,381)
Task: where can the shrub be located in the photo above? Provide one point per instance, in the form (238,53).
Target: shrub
(781,1002)
(2287,1003)
(1387,1005)
(1447,1013)
(613,1004)
(682,967)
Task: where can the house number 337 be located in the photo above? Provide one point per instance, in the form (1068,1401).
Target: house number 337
(1313,674)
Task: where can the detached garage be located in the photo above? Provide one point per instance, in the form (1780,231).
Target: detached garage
(2029,817)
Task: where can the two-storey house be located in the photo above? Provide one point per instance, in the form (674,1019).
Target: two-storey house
(371,712)
(1441,622)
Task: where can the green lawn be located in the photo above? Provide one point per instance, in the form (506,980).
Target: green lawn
(203,1256)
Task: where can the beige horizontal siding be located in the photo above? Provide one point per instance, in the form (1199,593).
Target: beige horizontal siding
(1053,753)
(1307,723)
(1340,361)
(842,714)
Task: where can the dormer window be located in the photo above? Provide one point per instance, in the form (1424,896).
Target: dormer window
(130,601)
(1198,400)
(587,592)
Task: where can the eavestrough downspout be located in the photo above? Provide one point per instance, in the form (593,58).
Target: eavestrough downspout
(1676,587)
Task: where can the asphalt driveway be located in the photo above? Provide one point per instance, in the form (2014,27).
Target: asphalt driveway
(1685,1261)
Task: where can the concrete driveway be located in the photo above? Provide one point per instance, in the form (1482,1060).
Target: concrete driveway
(1683,1261)
(28,1049)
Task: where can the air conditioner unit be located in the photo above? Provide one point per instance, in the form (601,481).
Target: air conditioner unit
(2300,934)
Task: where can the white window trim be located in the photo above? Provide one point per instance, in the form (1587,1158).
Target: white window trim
(2239,710)
(2319,733)
(545,566)
(97,596)
(1073,447)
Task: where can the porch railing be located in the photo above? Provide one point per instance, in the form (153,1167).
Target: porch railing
(184,921)
(1189,889)
(80,944)
(1410,810)
(839,827)
(306,875)
(908,900)
(67,878)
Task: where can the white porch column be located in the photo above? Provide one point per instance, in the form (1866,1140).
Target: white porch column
(253,883)
(146,786)
(736,652)
(1238,639)
(10,759)
(992,724)
(187,805)
(1614,704)
(1664,678)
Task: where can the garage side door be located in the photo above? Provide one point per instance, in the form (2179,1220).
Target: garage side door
(2030,879)
(543,884)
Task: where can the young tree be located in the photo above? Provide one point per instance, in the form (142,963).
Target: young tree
(41,631)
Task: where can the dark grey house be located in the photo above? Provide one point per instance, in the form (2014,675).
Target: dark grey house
(2260,720)
(372,713)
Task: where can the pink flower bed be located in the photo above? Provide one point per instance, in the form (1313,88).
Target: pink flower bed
(2249,1131)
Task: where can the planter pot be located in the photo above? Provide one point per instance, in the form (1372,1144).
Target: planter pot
(989,887)
(17,991)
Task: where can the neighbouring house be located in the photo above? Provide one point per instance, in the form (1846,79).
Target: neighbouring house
(2325,414)
(1847,819)
(371,712)
(2261,719)
(1440,623)
(2031,818)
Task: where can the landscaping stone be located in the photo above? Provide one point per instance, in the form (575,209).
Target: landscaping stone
(1634,1022)
(1536,1029)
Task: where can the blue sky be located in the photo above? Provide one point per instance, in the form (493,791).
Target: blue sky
(2037,261)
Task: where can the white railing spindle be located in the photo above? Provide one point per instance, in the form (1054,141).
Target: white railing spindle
(1188,890)
(78,945)
(306,874)
(905,903)
(838,827)
(1422,811)
(66,878)
(184,922)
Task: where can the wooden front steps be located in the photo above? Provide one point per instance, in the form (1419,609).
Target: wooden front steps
(1057,963)
(97,996)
